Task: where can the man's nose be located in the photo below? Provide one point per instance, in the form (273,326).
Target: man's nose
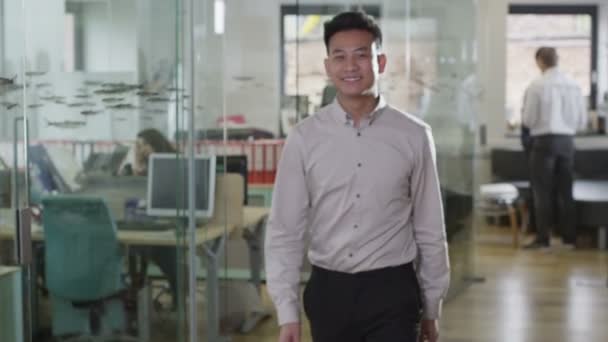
(351,64)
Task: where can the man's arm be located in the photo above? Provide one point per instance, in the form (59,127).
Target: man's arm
(284,245)
(530,113)
(429,231)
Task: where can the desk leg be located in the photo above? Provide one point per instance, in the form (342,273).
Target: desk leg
(213,253)
(601,237)
(255,244)
(143,313)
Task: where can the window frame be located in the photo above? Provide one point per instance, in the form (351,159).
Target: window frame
(590,10)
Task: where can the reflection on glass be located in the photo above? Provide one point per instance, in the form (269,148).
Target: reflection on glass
(91,75)
(444,91)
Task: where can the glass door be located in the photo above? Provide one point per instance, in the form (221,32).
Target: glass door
(88,94)
(444,90)
(17,265)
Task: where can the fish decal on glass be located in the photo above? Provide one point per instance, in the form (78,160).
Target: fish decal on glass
(9,105)
(90,112)
(6,81)
(34,73)
(66,123)
(122,106)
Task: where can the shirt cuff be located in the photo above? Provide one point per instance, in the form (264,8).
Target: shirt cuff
(432,309)
(288,313)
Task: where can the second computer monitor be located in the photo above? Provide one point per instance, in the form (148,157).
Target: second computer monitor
(235,164)
(168,185)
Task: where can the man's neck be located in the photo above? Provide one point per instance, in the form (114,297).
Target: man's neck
(548,69)
(358,106)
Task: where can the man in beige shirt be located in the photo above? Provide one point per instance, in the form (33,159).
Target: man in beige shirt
(357,183)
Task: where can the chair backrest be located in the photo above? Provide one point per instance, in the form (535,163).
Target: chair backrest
(509,165)
(82,254)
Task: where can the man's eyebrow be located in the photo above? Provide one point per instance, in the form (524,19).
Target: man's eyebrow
(340,50)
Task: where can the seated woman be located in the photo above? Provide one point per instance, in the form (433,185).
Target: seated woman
(152,141)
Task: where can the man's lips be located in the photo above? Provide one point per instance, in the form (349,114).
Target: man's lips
(351,78)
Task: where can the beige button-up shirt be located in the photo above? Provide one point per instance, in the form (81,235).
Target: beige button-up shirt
(361,199)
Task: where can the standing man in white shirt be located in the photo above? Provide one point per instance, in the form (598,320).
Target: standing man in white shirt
(554,110)
(357,183)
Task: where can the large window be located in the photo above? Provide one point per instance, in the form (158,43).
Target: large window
(570,29)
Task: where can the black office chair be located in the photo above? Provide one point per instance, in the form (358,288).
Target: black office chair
(591,164)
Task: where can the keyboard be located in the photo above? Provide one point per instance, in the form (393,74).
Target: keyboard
(145,226)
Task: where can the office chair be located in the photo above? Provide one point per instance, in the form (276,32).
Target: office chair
(83,269)
(591,164)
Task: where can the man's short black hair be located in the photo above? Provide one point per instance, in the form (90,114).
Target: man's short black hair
(547,55)
(354,20)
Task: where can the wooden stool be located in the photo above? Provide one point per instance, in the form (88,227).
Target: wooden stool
(498,199)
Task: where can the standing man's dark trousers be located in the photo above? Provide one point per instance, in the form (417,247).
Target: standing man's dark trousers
(374,306)
(552,173)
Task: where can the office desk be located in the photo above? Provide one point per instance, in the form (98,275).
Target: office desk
(591,198)
(210,241)
(139,237)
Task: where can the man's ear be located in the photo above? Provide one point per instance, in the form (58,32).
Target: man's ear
(326,64)
(381,63)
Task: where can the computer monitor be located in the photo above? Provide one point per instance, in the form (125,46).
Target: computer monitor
(235,164)
(106,162)
(168,185)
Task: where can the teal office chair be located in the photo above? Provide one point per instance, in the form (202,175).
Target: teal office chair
(83,269)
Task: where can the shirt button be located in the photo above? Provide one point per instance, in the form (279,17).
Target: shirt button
(356,226)
(350,255)
(359,165)
(358,195)
(358,134)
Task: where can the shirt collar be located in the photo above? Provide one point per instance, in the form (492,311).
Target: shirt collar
(551,70)
(342,116)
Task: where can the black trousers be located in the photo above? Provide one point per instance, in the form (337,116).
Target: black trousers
(552,174)
(375,306)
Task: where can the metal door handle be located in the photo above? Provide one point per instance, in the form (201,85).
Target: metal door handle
(23,239)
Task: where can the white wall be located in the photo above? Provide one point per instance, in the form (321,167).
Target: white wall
(35,35)
(491,33)
(109,35)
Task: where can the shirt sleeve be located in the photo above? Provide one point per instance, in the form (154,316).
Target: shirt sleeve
(285,231)
(433,266)
(531,108)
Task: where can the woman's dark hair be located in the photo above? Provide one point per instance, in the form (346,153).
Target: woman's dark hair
(156,140)
(354,20)
(547,55)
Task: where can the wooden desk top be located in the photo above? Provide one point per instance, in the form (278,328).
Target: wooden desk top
(6,270)
(251,215)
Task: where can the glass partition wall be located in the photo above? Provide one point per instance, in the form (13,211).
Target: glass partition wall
(105,83)
(258,69)
(89,77)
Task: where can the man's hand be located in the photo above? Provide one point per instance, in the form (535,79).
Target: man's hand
(429,330)
(290,332)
